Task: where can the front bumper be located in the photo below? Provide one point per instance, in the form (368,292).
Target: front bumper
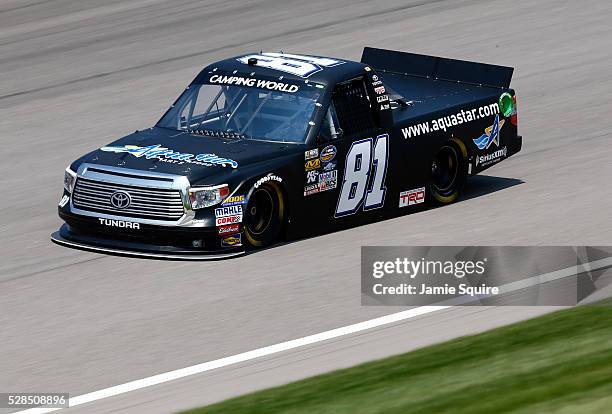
(151,241)
(67,238)
(94,225)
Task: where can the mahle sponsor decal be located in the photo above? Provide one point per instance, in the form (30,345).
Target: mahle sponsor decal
(228,210)
(168,155)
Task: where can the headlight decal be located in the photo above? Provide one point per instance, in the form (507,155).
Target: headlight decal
(69,179)
(207,196)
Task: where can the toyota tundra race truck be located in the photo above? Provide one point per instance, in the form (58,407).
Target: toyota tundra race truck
(268,146)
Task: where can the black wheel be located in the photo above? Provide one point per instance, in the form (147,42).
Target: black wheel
(448,174)
(264,217)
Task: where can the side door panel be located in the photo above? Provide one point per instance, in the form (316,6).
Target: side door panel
(363,185)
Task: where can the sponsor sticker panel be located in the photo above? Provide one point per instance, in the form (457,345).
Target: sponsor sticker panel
(412,197)
(328,153)
(233,240)
(229,229)
(234,200)
(313,164)
(268,178)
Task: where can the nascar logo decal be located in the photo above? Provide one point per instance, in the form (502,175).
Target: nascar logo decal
(168,155)
(328,153)
(491,135)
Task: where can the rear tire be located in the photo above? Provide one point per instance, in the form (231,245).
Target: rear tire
(449,171)
(264,217)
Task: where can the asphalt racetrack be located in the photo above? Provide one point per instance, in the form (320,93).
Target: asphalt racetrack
(76,74)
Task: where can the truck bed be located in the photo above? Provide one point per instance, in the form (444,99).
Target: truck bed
(435,83)
(430,95)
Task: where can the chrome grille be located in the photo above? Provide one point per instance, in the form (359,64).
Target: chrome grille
(147,203)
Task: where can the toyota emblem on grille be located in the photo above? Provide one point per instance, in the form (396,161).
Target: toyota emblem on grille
(120,199)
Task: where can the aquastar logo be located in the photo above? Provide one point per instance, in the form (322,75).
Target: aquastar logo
(491,135)
(163,153)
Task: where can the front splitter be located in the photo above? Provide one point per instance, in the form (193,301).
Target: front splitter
(127,249)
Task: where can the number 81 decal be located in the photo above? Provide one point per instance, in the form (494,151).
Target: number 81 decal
(365,159)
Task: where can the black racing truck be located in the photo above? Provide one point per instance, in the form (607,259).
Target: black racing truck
(265,146)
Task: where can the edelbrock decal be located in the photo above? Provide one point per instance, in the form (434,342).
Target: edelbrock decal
(229,229)
(172,156)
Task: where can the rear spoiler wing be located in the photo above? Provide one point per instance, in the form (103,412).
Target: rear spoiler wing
(437,67)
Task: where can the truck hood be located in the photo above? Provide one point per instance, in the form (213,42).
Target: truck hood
(175,152)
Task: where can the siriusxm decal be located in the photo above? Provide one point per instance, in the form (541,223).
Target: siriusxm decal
(491,135)
(168,155)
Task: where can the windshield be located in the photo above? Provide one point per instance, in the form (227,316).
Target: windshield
(245,112)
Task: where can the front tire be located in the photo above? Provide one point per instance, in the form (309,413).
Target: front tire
(264,217)
(449,171)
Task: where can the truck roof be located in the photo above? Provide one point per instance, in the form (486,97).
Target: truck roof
(296,68)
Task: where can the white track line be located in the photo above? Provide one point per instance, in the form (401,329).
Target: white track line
(311,339)
(235,359)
